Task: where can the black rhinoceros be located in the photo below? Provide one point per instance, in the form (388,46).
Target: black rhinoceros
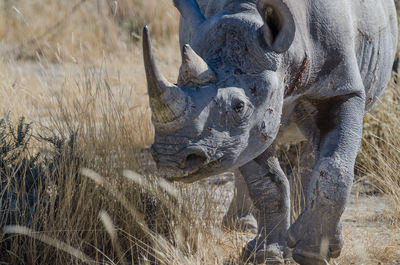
(256,73)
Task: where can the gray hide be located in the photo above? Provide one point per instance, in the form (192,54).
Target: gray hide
(256,73)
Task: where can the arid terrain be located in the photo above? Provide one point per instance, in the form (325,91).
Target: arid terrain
(70,189)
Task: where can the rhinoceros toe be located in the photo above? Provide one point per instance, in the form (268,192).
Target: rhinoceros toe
(313,245)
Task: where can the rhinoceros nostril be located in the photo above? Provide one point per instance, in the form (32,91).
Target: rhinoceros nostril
(194,160)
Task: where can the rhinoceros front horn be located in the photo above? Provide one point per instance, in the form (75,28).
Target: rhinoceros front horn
(167,101)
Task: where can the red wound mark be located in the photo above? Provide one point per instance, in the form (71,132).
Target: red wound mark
(265,136)
(299,78)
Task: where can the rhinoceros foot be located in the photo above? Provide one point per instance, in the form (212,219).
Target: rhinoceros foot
(315,241)
(247,223)
(258,252)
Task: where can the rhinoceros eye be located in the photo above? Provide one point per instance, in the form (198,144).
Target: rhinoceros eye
(238,107)
(241,109)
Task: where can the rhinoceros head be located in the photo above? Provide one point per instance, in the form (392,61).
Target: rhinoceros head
(225,109)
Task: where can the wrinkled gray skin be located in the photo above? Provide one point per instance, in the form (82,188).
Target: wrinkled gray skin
(258,73)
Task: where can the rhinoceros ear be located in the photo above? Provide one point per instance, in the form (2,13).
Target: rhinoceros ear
(279,27)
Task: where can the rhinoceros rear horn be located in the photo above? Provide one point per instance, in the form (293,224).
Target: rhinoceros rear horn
(279,26)
(194,69)
(167,101)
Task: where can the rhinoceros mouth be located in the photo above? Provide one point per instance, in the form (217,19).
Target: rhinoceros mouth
(192,175)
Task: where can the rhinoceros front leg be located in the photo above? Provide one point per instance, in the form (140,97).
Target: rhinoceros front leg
(241,214)
(270,192)
(335,129)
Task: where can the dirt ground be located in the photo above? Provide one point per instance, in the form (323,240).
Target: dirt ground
(370,237)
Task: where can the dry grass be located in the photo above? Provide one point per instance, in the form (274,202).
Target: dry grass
(74,69)
(379,159)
